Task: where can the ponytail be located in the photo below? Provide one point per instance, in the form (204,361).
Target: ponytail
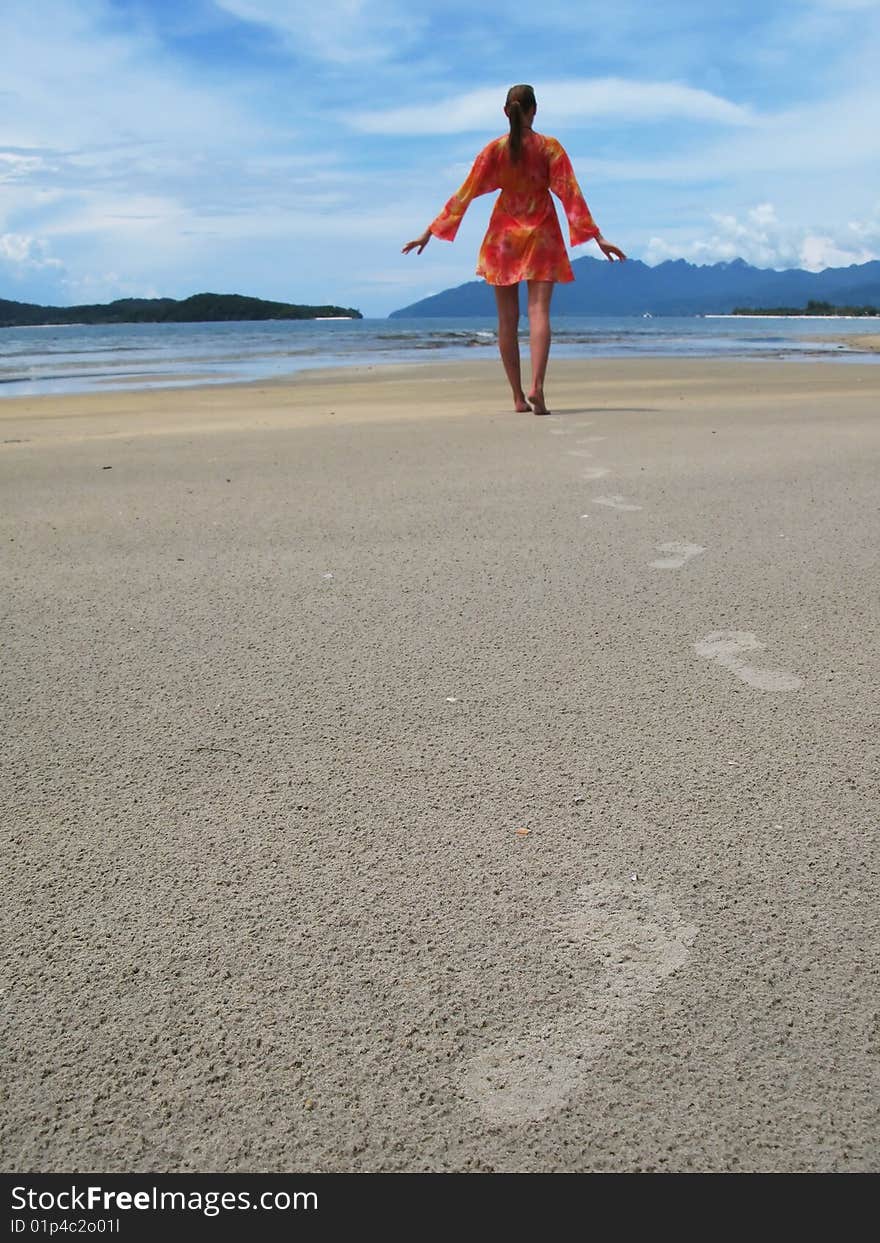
(515,116)
(520,99)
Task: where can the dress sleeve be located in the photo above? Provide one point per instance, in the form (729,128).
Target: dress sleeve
(581,225)
(482,179)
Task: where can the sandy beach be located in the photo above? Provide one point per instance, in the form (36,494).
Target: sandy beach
(395,782)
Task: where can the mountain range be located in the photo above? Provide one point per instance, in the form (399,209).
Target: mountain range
(675,287)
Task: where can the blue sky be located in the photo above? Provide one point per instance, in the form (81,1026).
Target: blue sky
(288,150)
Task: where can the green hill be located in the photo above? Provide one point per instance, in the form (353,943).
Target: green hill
(200,308)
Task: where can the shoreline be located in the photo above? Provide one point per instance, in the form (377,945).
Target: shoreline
(29,375)
(563,371)
(731,315)
(867,343)
(418,391)
(564,367)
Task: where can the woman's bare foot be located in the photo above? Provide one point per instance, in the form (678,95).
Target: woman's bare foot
(536,401)
(521,405)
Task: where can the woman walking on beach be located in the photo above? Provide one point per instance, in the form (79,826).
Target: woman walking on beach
(523,241)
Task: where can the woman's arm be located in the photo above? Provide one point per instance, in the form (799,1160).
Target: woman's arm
(610,252)
(482,179)
(421,242)
(581,225)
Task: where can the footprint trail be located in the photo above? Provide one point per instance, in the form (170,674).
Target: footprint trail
(640,940)
(724,647)
(678,555)
(616,501)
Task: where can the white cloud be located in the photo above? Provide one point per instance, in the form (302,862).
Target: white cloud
(15,167)
(766,242)
(343,32)
(24,252)
(838,133)
(868,231)
(105,287)
(577,103)
(128,218)
(844,5)
(70,82)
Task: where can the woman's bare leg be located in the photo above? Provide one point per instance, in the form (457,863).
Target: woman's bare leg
(540,293)
(507,301)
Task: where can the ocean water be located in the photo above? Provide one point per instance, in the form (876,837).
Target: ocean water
(80,358)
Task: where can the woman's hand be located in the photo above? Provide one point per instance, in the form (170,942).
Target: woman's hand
(610,252)
(421,242)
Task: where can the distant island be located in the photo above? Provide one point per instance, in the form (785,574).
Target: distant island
(674,287)
(200,308)
(812,308)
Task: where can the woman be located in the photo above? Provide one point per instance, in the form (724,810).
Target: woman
(523,241)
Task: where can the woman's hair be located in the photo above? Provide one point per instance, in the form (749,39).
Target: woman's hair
(520,99)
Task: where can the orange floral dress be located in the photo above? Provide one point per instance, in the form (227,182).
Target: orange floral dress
(524,240)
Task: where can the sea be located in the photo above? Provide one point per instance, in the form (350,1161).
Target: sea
(82,358)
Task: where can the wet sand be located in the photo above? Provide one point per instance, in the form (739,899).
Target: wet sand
(394,782)
(869,343)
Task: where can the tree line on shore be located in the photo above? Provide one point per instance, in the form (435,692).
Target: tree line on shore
(813,307)
(200,308)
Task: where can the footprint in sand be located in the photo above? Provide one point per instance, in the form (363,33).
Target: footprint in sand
(616,502)
(637,938)
(679,555)
(565,431)
(725,648)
